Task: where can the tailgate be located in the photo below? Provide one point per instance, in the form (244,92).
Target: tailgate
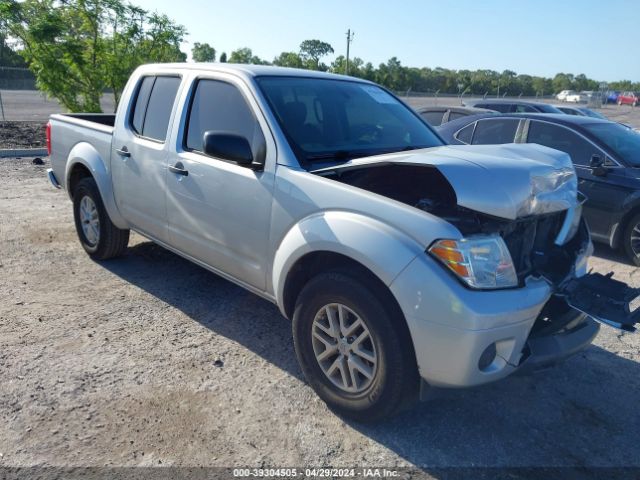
(604,299)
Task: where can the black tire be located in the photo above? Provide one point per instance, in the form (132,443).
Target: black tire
(112,241)
(626,240)
(395,382)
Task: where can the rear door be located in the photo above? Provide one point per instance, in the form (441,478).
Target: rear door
(219,211)
(140,152)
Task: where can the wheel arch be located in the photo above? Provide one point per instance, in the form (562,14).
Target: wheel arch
(621,226)
(336,240)
(85,161)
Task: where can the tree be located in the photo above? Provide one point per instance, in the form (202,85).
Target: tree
(245,55)
(203,52)
(223,57)
(289,59)
(8,56)
(311,51)
(78,48)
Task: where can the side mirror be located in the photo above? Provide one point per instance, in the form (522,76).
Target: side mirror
(597,166)
(228,146)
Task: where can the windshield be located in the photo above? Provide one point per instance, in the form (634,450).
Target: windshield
(623,141)
(326,119)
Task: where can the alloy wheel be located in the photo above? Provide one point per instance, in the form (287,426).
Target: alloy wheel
(90,220)
(344,348)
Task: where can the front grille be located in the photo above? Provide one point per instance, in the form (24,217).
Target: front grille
(532,238)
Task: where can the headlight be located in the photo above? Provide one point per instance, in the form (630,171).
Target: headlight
(481,261)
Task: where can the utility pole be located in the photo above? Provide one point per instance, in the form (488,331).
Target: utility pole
(350,35)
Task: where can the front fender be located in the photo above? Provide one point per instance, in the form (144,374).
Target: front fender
(377,246)
(85,154)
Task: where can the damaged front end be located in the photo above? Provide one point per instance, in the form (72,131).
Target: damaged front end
(527,195)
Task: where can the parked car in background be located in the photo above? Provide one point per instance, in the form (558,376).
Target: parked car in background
(562,96)
(629,98)
(580,111)
(606,156)
(511,105)
(577,97)
(612,96)
(435,115)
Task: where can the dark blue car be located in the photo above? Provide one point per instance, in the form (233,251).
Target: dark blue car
(606,156)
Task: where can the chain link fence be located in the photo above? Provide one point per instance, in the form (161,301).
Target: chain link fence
(12,78)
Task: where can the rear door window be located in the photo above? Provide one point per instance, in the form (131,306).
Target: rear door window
(154,103)
(495,131)
(465,134)
(433,118)
(456,115)
(563,139)
(163,95)
(140,107)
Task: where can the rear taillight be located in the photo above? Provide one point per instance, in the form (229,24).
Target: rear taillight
(48,133)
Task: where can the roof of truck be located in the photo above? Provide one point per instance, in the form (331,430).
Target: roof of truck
(249,70)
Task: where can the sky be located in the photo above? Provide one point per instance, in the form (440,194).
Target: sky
(536,37)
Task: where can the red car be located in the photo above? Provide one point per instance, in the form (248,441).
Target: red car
(628,98)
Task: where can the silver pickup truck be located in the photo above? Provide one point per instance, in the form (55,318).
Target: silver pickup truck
(404,264)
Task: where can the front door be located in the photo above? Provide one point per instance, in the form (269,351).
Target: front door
(218,211)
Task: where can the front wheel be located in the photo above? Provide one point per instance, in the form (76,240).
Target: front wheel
(631,240)
(100,238)
(352,349)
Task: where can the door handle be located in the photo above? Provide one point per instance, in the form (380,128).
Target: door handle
(179,169)
(123,152)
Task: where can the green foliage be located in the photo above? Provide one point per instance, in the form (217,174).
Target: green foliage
(245,55)
(311,51)
(79,48)
(289,59)
(203,52)
(8,56)
(223,57)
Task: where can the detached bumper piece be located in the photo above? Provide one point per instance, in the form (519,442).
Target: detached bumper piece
(604,299)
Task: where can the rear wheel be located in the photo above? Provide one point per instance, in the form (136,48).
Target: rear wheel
(100,238)
(351,347)
(631,240)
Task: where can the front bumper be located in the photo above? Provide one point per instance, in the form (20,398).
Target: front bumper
(464,338)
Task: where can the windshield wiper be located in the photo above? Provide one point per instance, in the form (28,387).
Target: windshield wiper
(337,155)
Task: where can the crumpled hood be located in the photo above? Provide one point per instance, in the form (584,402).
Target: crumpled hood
(508,181)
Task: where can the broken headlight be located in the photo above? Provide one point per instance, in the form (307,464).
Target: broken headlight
(481,261)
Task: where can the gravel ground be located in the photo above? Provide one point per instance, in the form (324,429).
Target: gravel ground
(151,360)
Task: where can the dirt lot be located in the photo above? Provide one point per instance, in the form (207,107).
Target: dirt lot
(22,135)
(151,360)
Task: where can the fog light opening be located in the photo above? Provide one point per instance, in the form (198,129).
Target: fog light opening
(487,358)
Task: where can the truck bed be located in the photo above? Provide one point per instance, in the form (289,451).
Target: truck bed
(108,119)
(88,133)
